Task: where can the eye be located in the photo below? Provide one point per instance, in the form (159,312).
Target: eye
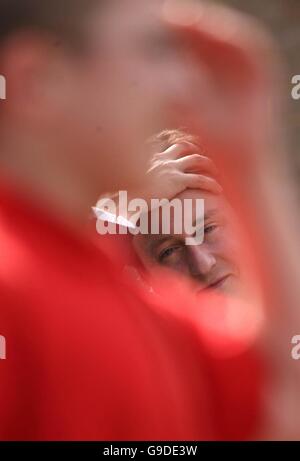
(167,253)
(210,228)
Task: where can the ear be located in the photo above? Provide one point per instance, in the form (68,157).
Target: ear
(33,67)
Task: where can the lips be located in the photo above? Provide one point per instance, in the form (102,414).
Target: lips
(218,283)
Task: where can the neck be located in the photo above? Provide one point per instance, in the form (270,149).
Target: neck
(38,170)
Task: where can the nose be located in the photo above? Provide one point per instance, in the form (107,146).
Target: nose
(202,261)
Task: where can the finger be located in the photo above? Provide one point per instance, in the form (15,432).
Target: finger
(205,183)
(196,163)
(178,150)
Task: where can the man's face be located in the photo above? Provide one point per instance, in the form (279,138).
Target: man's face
(120,92)
(209,265)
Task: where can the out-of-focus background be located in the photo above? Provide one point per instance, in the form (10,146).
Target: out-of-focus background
(282,18)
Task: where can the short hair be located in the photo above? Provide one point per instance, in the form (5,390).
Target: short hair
(168,138)
(62,18)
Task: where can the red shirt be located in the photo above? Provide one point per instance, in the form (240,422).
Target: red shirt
(89,359)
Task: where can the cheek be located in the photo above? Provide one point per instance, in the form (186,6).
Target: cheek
(224,246)
(131,107)
(182,267)
(141,81)
(128,90)
(178,262)
(142,253)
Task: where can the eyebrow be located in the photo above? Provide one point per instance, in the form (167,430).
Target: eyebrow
(155,242)
(210,214)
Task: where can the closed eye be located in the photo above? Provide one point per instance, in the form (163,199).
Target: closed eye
(167,253)
(210,228)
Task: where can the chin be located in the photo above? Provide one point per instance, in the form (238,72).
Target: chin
(232,287)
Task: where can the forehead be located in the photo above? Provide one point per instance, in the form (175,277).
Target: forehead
(212,202)
(214,207)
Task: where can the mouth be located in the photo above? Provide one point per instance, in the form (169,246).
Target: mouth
(217,284)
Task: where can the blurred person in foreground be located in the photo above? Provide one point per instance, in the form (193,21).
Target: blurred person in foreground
(87,357)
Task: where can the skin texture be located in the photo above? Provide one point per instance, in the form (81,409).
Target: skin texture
(212,264)
(82,119)
(257,179)
(74,127)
